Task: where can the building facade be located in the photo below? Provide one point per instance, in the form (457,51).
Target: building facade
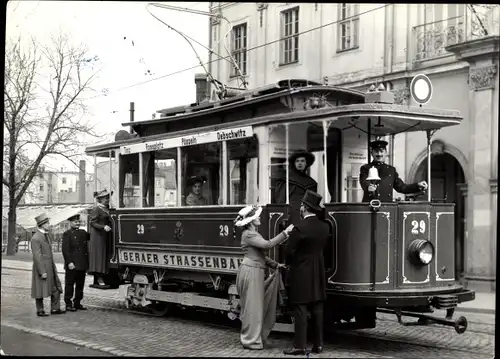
(357,45)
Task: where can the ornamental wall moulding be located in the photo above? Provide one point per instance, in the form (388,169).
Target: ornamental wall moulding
(494,185)
(262,6)
(482,78)
(401,95)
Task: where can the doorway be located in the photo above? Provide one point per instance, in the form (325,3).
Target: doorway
(447,176)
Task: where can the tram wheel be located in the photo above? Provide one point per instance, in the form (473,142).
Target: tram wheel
(160,309)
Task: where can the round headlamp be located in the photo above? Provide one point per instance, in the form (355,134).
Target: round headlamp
(421,251)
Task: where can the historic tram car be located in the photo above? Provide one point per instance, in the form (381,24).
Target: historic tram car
(396,257)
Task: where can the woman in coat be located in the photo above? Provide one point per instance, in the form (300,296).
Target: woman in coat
(100,233)
(257,306)
(299,182)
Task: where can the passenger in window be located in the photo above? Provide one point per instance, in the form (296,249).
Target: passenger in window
(299,182)
(389,177)
(195,197)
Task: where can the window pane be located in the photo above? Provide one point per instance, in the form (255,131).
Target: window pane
(243,171)
(203,161)
(165,174)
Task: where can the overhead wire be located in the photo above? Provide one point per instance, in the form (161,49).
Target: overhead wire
(248,50)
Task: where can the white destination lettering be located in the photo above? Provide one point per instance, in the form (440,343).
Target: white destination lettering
(181,261)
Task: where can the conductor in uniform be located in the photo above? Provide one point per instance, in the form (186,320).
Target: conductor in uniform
(389,177)
(304,255)
(76,262)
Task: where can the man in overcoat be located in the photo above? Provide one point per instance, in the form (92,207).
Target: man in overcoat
(299,182)
(307,273)
(45,281)
(389,177)
(100,236)
(76,263)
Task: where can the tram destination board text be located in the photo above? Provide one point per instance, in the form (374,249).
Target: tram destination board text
(190,140)
(191,261)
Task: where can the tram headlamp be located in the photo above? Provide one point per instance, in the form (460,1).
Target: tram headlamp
(421,251)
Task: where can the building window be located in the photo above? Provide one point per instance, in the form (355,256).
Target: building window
(70,190)
(64,180)
(348,27)
(41,187)
(239,49)
(289,44)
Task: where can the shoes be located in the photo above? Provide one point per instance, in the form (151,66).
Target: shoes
(70,308)
(42,314)
(80,307)
(294,351)
(317,349)
(57,311)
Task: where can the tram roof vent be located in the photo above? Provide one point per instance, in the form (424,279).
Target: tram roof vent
(379,97)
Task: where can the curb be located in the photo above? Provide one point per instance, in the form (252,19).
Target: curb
(29,270)
(60,338)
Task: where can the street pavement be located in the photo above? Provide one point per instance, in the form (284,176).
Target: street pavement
(110,328)
(20,343)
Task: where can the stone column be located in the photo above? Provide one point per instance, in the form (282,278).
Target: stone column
(482,56)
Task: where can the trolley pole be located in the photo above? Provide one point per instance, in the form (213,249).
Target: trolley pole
(132,110)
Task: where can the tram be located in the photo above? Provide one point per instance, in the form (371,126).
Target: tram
(165,253)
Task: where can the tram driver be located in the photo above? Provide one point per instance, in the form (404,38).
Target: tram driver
(195,197)
(299,182)
(389,178)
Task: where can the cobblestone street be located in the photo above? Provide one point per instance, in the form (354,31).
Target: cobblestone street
(108,326)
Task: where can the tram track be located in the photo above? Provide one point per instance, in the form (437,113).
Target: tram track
(222,322)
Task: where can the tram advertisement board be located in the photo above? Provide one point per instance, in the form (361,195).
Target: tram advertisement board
(189,140)
(178,260)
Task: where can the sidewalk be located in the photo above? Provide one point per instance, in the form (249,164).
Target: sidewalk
(483,303)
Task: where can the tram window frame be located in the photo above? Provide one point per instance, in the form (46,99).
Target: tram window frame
(152,171)
(209,176)
(248,146)
(107,176)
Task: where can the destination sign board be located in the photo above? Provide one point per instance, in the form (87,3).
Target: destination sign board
(189,140)
(176,260)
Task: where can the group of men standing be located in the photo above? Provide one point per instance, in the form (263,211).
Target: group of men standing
(76,246)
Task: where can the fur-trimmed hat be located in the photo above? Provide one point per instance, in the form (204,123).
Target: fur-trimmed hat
(302,153)
(195,179)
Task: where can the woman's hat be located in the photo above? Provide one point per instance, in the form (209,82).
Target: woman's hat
(313,200)
(302,153)
(247,215)
(41,219)
(103,193)
(195,179)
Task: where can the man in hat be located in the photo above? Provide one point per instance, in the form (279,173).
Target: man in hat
(45,281)
(195,197)
(304,255)
(100,238)
(76,263)
(389,178)
(299,182)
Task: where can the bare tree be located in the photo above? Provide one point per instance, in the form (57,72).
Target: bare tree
(50,125)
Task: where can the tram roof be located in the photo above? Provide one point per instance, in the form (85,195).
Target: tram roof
(386,119)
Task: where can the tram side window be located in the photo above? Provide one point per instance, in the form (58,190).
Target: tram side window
(160,179)
(129,181)
(202,174)
(243,171)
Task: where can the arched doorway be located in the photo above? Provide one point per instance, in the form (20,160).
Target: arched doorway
(447,179)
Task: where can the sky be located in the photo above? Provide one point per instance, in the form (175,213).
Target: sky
(129,42)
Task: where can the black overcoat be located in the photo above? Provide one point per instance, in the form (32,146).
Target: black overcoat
(75,249)
(389,180)
(299,183)
(304,255)
(99,240)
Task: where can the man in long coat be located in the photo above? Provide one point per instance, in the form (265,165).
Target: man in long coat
(307,273)
(76,263)
(44,281)
(299,182)
(389,177)
(100,235)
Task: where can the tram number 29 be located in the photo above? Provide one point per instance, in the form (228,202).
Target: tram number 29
(418,227)
(140,229)
(223,230)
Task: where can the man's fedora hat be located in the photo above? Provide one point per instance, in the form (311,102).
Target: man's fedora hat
(103,193)
(195,179)
(41,219)
(313,200)
(379,145)
(75,217)
(302,153)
